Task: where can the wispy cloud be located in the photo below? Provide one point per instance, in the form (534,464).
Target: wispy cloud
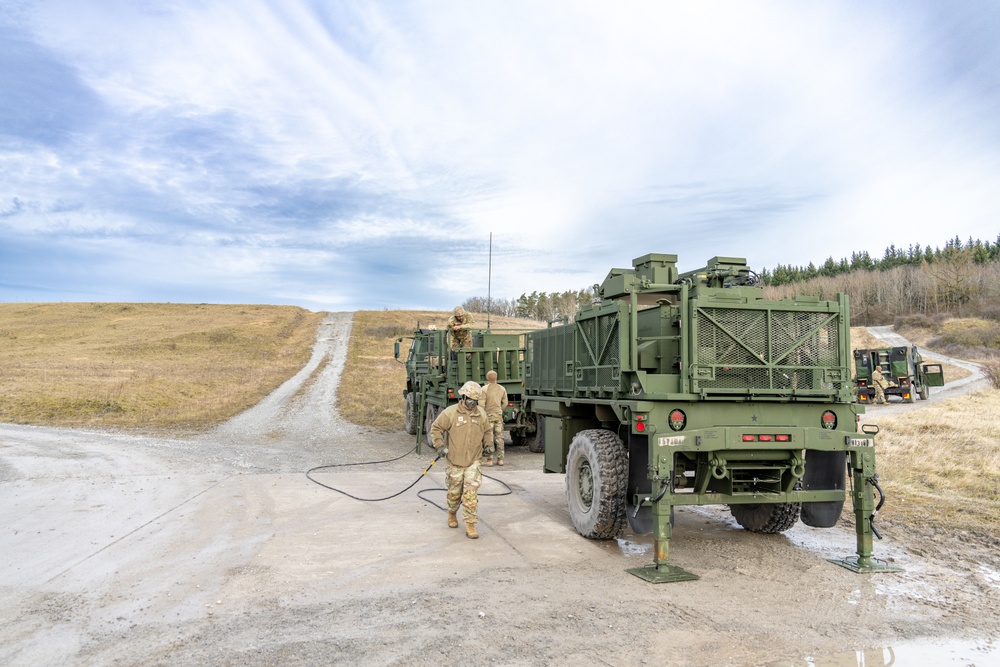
(353,155)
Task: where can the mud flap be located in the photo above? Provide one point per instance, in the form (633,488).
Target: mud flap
(825,471)
(638,483)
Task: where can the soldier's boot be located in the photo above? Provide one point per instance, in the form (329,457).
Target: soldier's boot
(453,519)
(488,462)
(470,531)
(499,462)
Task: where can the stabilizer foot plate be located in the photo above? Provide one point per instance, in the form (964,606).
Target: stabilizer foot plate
(662,574)
(873,565)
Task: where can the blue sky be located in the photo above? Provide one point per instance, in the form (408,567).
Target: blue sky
(345,155)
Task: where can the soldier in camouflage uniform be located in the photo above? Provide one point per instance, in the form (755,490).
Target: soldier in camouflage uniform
(459,324)
(468,432)
(880,384)
(495,399)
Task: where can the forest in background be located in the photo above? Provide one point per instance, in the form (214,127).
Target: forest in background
(958,280)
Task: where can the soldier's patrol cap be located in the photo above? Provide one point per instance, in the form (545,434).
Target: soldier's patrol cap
(472,390)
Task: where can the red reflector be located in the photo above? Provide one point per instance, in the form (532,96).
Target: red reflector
(510,405)
(783,438)
(906,395)
(748,438)
(639,418)
(764,438)
(640,426)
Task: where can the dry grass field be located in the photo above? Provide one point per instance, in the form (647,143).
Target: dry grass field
(145,366)
(942,463)
(371,387)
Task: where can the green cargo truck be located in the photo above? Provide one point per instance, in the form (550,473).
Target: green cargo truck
(692,389)
(435,372)
(902,368)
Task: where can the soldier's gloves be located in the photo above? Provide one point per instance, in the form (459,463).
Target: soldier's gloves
(442,451)
(490,449)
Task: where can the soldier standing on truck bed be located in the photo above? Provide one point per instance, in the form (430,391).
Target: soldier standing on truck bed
(469,432)
(880,385)
(459,324)
(495,398)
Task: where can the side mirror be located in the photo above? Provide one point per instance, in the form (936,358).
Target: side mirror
(395,349)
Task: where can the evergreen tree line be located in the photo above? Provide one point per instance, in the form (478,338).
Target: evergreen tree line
(958,282)
(535,306)
(980,252)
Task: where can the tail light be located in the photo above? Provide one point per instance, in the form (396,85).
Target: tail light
(640,423)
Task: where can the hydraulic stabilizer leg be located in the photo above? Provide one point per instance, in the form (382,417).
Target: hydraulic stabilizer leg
(863,497)
(661,572)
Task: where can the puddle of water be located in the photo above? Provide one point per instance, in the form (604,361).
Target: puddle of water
(945,653)
(991,575)
(629,548)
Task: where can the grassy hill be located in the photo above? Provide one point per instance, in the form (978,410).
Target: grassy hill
(145,366)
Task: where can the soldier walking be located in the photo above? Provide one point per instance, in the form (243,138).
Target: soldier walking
(459,324)
(880,385)
(468,433)
(495,398)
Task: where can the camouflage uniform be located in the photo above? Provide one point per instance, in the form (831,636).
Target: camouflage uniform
(495,400)
(459,324)
(880,385)
(468,433)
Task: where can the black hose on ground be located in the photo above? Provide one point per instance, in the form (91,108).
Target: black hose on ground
(399,493)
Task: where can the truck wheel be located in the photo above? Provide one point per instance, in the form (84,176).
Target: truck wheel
(596,477)
(430,414)
(536,441)
(912,398)
(411,414)
(767,517)
(924,392)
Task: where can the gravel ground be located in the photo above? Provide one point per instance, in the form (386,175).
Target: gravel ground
(125,550)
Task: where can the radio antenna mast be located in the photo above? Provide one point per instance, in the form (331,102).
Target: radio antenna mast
(489,284)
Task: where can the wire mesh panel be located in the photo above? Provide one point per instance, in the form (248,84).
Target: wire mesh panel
(767,351)
(598,350)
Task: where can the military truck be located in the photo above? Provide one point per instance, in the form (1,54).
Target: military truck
(435,372)
(902,368)
(677,389)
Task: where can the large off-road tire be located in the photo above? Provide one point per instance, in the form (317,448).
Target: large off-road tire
(767,517)
(924,392)
(536,440)
(596,477)
(411,413)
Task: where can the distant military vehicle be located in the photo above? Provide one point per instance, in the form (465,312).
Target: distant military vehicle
(693,389)
(434,373)
(902,368)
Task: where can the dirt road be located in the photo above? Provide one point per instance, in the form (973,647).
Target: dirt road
(125,550)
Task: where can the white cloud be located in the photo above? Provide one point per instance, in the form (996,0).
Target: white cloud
(581,135)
